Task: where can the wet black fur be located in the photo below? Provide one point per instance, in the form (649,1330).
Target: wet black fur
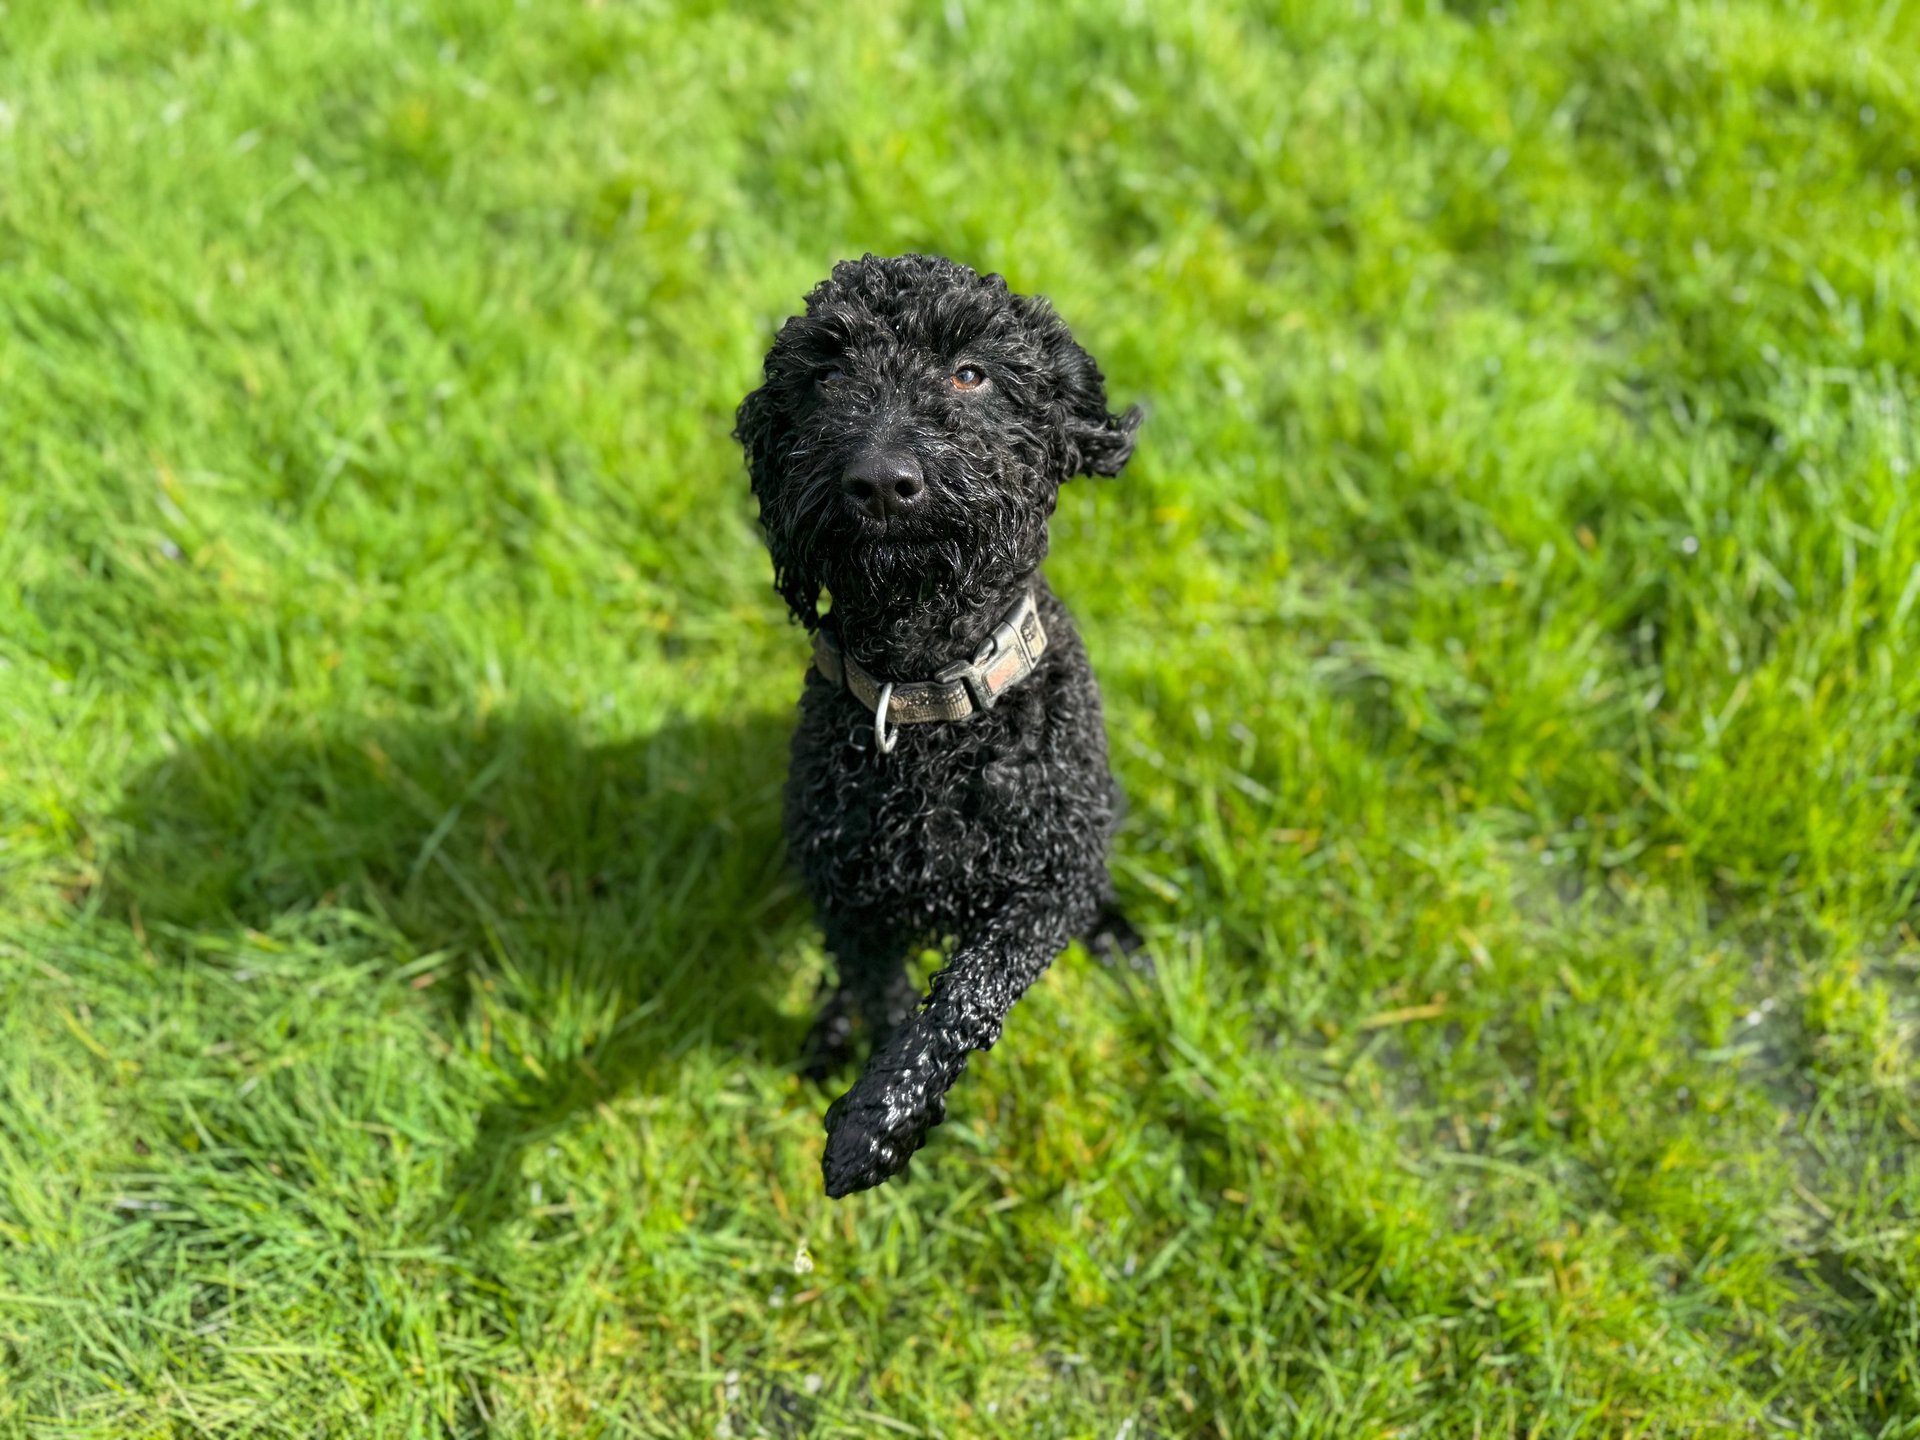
(989,834)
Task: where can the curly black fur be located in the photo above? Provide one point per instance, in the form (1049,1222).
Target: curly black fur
(990,832)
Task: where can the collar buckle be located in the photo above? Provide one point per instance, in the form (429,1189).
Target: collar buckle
(1009,655)
(968,673)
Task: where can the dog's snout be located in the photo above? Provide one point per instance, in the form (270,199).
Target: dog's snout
(884,482)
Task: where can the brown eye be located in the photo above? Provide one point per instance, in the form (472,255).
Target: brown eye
(969,377)
(829,375)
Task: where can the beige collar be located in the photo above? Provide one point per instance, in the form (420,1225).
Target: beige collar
(1012,652)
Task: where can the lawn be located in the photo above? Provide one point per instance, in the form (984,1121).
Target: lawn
(1508,629)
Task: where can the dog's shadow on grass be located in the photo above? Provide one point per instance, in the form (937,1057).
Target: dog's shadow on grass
(611,905)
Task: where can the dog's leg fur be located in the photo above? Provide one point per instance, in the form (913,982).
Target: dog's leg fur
(877,1125)
(871,982)
(887,1001)
(829,1042)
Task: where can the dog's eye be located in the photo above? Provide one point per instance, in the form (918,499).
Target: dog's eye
(829,375)
(969,377)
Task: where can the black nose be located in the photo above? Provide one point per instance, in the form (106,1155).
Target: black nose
(884,482)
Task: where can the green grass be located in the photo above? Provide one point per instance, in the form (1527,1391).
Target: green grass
(1508,626)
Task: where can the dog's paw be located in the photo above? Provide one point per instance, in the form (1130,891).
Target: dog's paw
(870,1139)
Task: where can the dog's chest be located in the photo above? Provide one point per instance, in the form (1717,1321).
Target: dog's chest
(958,816)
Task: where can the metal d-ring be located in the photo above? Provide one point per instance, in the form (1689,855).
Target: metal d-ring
(882,738)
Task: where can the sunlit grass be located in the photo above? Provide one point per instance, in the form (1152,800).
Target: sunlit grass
(1507,626)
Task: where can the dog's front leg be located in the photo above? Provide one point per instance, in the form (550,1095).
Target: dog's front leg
(876,1126)
(869,959)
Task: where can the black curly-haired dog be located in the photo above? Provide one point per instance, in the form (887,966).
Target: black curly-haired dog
(949,775)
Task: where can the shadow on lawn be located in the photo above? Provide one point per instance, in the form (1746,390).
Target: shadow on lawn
(619,904)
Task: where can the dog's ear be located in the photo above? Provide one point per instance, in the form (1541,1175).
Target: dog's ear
(762,427)
(1100,443)
(1088,438)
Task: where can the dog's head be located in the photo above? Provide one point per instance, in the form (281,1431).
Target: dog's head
(913,431)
